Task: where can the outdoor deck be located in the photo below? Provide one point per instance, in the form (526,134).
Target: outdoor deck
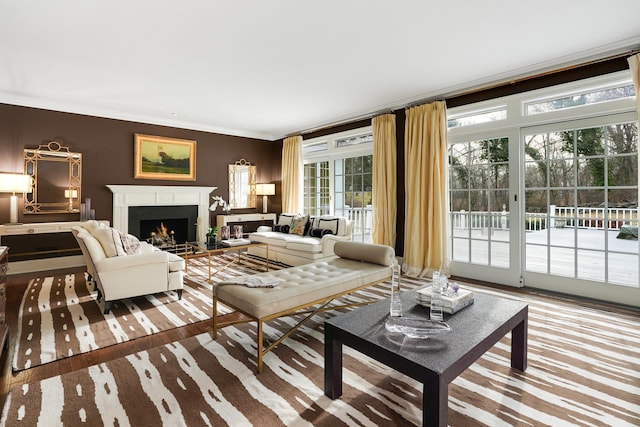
(588,263)
(623,264)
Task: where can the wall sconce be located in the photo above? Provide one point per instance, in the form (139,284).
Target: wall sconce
(70,194)
(14,183)
(265,190)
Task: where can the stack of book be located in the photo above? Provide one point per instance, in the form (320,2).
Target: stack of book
(236,242)
(450,303)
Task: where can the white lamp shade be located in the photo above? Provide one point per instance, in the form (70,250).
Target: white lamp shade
(15,183)
(265,189)
(71,194)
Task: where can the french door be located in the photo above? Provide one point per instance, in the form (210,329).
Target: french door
(484,220)
(580,194)
(547,205)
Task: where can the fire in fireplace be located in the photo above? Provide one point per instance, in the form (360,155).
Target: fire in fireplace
(162,236)
(176,222)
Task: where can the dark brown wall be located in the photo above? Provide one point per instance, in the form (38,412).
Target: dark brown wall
(107,155)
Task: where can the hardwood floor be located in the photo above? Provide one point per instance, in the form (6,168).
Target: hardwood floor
(16,286)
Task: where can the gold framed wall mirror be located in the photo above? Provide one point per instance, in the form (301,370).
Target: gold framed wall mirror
(56,175)
(242,185)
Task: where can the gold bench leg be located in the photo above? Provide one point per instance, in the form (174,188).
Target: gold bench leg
(260,344)
(215,317)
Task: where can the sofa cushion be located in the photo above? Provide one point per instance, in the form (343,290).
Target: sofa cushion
(130,244)
(93,246)
(285,219)
(110,240)
(319,232)
(329,224)
(281,228)
(313,221)
(261,236)
(305,244)
(298,225)
(280,239)
(367,252)
(92,225)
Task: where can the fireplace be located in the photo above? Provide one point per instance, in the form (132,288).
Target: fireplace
(127,196)
(177,220)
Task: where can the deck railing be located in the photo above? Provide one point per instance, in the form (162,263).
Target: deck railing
(361,219)
(558,216)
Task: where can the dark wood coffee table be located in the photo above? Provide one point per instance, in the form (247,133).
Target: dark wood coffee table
(436,362)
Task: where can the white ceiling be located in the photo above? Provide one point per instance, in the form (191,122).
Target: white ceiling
(267,69)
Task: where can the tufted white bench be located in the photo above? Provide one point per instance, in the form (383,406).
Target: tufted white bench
(357,266)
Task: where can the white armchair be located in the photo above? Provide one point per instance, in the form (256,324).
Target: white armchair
(118,274)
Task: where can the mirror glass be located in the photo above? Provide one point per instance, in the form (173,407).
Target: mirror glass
(57,175)
(242,185)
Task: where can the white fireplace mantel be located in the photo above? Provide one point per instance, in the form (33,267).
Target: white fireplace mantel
(125,196)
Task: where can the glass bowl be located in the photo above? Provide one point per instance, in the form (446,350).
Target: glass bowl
(416,328)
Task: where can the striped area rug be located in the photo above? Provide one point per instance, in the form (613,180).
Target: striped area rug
(59,316)
(584,370)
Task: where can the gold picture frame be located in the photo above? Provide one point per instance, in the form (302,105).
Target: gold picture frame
(158,157)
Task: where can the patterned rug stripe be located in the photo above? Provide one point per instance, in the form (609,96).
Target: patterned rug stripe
(584,370)
(60,317)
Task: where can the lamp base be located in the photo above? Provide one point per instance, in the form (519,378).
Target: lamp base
(264,204)
(13,209)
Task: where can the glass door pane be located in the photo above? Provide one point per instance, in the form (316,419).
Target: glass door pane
(480,203)
(581,190)
(353,193)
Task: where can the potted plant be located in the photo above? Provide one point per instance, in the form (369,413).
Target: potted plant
(212,235)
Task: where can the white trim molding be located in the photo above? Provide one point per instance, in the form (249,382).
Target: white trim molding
(125,196)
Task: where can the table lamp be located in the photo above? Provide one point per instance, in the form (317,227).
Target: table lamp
(70,194)
(14,183)
(265,190)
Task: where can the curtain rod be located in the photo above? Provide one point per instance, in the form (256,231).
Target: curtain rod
(547,73)
(471,91)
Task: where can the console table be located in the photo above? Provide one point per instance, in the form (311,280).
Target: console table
(250,221)
(4,329)
(30,265)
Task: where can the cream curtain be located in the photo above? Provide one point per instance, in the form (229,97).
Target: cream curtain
(426,190)
(634,64)
(292,175)
(383,229)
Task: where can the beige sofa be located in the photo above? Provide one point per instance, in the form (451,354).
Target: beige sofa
(123,267)
(293,249)
(356,266)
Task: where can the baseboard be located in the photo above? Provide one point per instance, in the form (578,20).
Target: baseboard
(33,265)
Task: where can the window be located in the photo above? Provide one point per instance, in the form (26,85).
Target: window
(477,117)
(338,178)
(317,199)
(578,99)
(353,193)
(541,185)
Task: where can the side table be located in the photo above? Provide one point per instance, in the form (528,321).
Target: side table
(4,267)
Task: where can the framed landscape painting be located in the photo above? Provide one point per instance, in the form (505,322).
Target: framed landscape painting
(157,157)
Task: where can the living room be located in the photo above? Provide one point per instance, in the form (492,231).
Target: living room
(108,151)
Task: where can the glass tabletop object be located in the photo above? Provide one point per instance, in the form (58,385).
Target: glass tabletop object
(415,327)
